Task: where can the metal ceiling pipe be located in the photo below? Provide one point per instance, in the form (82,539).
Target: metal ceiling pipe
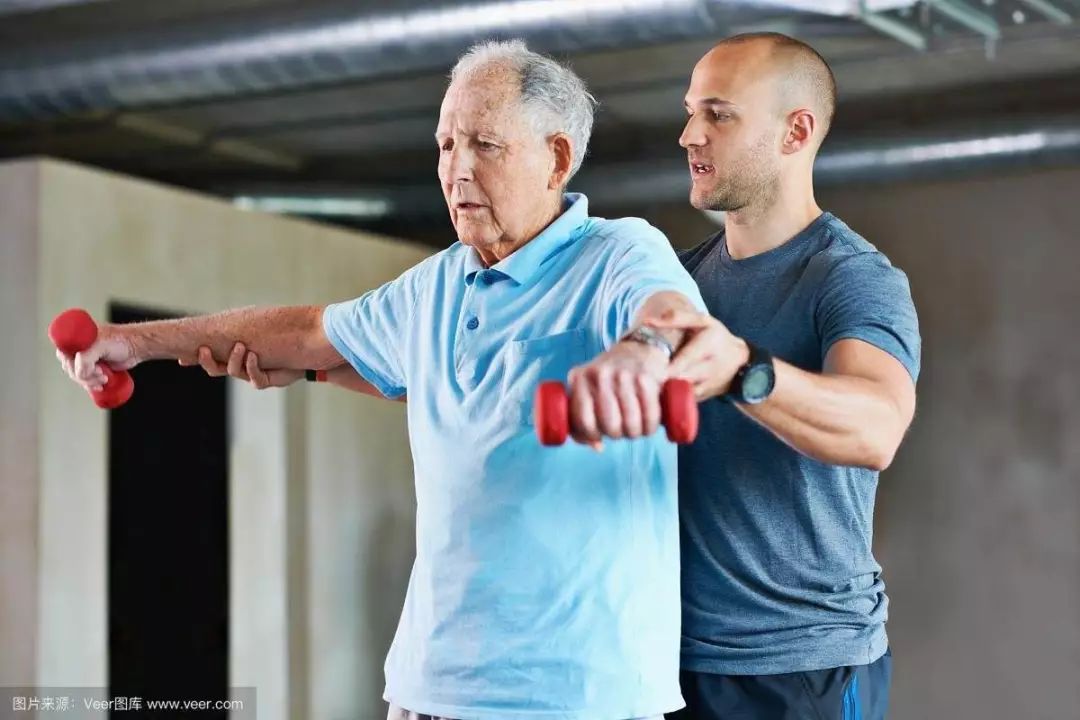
(927,156)
(931,156)
(15,7)
(283,49)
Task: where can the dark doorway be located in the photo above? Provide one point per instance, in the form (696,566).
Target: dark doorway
(168,536)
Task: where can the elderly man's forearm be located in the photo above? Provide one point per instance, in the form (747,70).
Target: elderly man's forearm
(282,337)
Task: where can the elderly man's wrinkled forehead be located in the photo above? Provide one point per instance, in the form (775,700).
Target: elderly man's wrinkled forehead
(487,95)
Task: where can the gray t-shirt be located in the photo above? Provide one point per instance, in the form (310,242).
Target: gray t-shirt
(777,573)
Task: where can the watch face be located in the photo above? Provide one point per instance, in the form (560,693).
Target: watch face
(757,383)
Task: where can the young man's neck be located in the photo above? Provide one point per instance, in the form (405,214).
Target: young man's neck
(753,231)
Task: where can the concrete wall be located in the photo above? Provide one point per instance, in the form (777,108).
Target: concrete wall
(981,515)
(19,439)
(978,523)
(322,507)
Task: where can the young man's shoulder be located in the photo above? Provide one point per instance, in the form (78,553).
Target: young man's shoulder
(840,245)
(839,241)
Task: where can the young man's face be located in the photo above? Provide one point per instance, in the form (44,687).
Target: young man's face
(734,131)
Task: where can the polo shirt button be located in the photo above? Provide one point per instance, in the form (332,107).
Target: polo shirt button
(472,324)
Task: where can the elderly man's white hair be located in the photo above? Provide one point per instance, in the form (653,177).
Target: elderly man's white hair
(556,97)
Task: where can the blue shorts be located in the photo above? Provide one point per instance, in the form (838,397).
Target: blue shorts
(396,713)
(857,692)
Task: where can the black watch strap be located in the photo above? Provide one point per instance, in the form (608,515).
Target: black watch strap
(759,357)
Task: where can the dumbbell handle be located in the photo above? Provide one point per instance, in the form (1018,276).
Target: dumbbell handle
(73,331)
(678,412)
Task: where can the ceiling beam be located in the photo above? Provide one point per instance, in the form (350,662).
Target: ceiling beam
(963,14)
(16,7)
(1049,10)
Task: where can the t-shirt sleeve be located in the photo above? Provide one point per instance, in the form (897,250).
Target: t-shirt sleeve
(370,332)
(864,297)
(648,265)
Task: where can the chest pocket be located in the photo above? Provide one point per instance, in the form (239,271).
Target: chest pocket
(531,361)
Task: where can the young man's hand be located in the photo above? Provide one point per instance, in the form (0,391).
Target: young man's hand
(709,356)
(244,365)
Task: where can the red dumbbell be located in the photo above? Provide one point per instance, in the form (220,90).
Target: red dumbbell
(73,331)
(678,412)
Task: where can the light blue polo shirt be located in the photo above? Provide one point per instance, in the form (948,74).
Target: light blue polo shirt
(546,580)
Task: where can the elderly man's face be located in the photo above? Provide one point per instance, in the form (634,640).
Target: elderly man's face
(495,170)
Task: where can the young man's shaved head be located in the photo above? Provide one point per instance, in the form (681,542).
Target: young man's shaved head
(803,78)
(759,106)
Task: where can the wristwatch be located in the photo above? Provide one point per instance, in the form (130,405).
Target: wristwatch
(315,375)
(648,336)
(755,380)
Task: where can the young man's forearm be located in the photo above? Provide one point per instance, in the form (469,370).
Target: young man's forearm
(836,419)
(282,337)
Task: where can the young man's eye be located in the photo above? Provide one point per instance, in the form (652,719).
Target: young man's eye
(720,116)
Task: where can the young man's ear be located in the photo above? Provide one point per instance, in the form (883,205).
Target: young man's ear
(563,149)
(800,134)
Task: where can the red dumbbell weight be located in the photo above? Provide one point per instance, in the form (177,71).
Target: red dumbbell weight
(678,412)
(73,331)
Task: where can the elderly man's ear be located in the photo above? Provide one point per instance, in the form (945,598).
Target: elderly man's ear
(563,149)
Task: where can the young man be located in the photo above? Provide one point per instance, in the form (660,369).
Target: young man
(806,366)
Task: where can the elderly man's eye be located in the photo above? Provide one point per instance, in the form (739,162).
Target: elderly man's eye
(446,146)
(485,145)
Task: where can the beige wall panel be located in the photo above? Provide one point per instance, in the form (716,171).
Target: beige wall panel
(322,502)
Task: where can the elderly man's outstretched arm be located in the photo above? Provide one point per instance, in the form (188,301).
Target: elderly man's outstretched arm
(283,337)
(246,364)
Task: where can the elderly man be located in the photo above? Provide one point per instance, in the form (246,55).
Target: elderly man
(546,581)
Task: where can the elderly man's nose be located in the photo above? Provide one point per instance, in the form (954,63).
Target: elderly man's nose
(460,165)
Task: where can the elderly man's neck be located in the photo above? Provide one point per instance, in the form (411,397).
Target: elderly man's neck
(492,254)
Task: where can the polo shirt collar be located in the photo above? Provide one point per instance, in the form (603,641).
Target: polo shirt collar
(523,264)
